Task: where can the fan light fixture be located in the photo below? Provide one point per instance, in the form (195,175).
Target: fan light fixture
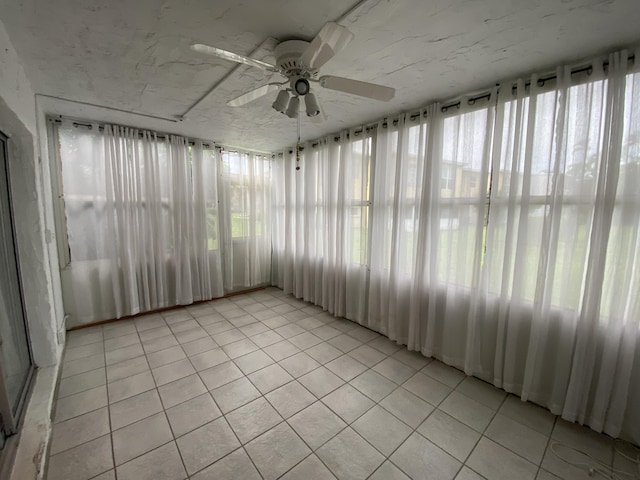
(294,105)
(301,86)
(312,105)
(280,105)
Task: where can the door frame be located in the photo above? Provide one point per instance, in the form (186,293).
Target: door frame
(12,417)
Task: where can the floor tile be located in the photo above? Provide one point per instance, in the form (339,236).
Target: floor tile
(130,386)
(80,403)
(533,416)
(82,462)
(110,475)
(323,352)
(583,438)
(482,392)
(117,329)
(235,466)
(281,350)
(385,345)
(163,463)
(220,375)
(422,460)
(135,408)
(217,328)
(266,338)
(191,335)
(82,365)
(316,424)
(363,334)
(79,430)
(228,336)
(310,323)
(493,461)
(350,457)
(346,367)
(276,451)
(454,437)
(159,343)
(81,382)
(184,326)
(467,474)
(388,471)
(254,329)
(348,403)
(121,342)
(415,360)
(344,342)
(140,437)
(276,322)
(174,371)
(270,378)
(518,438)
(194,413)
(309,469)
(321,381)
(406,406)
(199,346)
(253,419)
(122,354)
(208,359)
(206,445)
(126,369)
(394,370)
(84,351)
(468,411)
(299,364)
(444,373)
(289,330)
(164,357)
(290,399)
(367,355)
(161,331)
(427,388)
(382,430)
(240,348)
(181,390)
(253,361)
(373,385)
(305,340)
(326,332)
(235,394)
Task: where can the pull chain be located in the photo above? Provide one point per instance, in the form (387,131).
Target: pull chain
(298,144)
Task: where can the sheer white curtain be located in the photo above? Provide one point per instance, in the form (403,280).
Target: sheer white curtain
(246,223)
(141,217)
(503,239)
(320,248)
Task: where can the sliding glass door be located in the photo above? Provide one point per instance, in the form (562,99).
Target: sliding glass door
(15,358)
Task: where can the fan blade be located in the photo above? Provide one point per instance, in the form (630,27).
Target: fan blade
(253,94)
(332,39)
(356,87)
(234,57)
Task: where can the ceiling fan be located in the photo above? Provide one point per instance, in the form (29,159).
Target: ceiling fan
(299,62)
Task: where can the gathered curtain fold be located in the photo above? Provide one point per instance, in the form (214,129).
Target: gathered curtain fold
(154,222)
(499,235)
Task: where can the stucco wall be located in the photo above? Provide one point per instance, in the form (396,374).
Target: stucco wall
(18,121)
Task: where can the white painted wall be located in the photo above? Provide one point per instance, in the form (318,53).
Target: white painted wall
(30,198)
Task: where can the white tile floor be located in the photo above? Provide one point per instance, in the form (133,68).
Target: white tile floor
(265,386)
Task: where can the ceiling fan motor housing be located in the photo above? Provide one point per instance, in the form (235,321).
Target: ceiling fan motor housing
(288,55)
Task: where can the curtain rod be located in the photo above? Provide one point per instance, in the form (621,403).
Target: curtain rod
(160,135)
(473,99)
(574,71)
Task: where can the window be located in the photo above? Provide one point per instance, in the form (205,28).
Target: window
(358,191)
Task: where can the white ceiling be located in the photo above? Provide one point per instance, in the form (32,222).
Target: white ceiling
(134,54)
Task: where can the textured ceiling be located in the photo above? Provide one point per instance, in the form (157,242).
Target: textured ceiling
(134,55)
